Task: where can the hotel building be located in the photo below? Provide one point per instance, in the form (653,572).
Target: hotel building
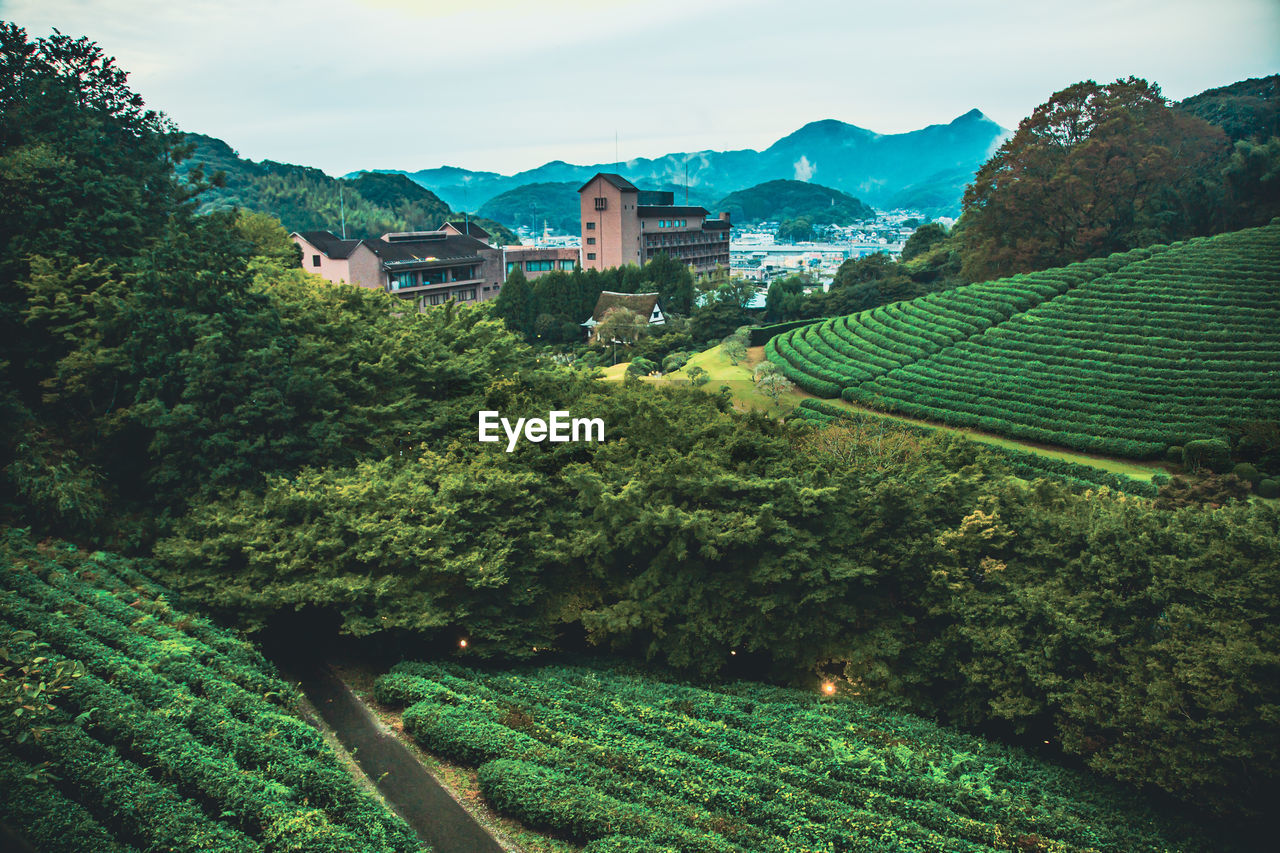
(622,224)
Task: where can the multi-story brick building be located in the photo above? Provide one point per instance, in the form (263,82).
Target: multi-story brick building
(622,224)
(429,267)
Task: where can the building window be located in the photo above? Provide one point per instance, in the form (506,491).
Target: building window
(591,241)
(602,203)
(403,279)
(591,226)
(435,298)
(566,265)
(315,260)
(465,295)
(539,266)
(511,265)
(591,256)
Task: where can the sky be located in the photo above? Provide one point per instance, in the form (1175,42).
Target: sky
(506,85)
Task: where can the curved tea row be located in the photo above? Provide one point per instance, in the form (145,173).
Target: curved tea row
(163,732)
(1123,355)
(623,762)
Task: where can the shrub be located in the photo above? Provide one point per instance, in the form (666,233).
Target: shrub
(1174,454)
(674,362)
(641,367)
(1269,488)
(1247,472)
(1211,453)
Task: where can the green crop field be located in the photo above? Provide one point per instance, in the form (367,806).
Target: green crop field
(129,725)
(625,763)
(1125,355)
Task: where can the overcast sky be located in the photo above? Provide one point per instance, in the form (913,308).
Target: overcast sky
(506,85)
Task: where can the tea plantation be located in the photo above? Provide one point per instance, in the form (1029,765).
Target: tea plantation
(130,725)
(1125,355)
(622,762)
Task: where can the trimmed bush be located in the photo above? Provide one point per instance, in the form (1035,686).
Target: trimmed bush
(1247,472)
(1211,453)
(1268,488)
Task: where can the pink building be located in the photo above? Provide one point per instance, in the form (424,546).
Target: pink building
(622,224)
(429,267)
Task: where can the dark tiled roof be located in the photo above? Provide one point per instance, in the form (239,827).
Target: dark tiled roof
(617,180)
(664,210)
(467,227)
(331,244)
(442,248)
(641,303)
(716,225)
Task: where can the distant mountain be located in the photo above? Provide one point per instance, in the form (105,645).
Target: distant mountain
(874,167)
(783,199)
(306,199)
(553,204)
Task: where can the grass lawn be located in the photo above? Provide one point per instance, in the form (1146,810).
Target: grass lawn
(746,397)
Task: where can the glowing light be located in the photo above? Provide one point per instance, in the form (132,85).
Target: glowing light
(462,644)
(828,687)
(733,653)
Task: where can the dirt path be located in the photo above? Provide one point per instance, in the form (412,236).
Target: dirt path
(435,816)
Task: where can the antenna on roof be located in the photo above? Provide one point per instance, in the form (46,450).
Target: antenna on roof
(342,205)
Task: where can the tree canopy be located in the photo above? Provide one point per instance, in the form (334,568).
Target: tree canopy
(1093,170)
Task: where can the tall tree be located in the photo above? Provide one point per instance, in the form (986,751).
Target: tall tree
(1093,170)
(515,303)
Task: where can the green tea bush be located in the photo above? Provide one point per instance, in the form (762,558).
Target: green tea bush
(1134,355)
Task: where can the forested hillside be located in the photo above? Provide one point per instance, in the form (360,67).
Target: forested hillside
(779,200)
(306,199)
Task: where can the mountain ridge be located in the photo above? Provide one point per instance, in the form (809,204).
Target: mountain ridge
(874,167)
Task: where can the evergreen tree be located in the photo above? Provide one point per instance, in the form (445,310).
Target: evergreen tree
(515,304)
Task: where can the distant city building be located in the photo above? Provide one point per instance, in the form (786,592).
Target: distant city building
(536,261)
(429,267)
(622,224)
(644,304)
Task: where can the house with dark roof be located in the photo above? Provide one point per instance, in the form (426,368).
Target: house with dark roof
(467,228)
(644,304)
(623,224)
(429,267)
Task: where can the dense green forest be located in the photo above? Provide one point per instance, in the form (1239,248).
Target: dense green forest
(554,204)
(306,199)
(295,453)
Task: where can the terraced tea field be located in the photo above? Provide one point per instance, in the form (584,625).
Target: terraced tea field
(1124,355)
(130,725)
(623,763)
